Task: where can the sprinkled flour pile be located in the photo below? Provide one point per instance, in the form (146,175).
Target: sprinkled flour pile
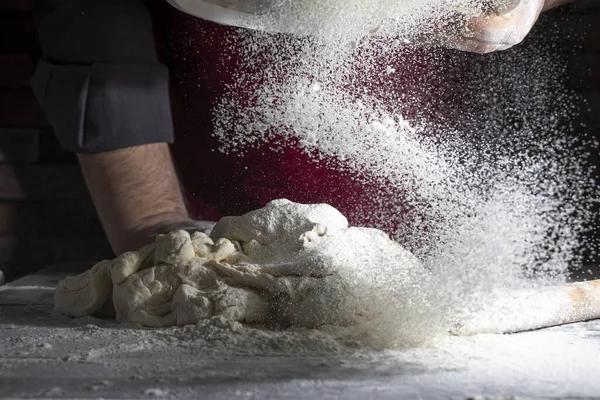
(284,265)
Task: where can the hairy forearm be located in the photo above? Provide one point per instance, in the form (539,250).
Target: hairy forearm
(135,190)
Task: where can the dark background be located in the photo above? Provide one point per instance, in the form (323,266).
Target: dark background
(46,214)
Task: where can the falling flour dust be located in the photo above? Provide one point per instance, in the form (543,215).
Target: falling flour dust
(473,155)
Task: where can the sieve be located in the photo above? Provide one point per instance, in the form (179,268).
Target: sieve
(265,15)
(251,14)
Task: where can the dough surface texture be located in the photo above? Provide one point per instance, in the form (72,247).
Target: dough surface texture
(284,264)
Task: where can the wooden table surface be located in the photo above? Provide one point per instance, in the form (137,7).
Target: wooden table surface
(40,359)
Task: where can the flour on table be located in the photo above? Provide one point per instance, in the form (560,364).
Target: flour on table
(286,264)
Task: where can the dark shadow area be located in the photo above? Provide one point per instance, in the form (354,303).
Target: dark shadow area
(46,214)
(53,220)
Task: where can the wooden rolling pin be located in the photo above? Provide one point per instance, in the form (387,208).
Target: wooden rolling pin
(525,310)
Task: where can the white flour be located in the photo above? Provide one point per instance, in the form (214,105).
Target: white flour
(332,20)
(295,265)
(497,195)
(86,357)
(286,264)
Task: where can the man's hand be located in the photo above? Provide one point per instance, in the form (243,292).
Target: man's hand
(502,28)
(137,195)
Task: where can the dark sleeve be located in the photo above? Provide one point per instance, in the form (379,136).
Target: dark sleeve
(99,81)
